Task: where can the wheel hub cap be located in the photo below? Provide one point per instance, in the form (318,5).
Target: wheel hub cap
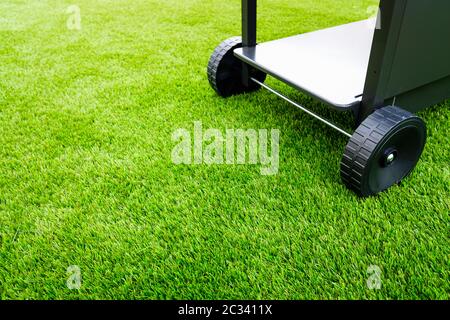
(390,156)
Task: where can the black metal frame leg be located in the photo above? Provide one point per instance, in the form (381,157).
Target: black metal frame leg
(249,17)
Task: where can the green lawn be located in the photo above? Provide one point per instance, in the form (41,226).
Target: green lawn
(87,179)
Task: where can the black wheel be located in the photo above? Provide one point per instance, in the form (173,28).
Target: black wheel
(383,151)
(225,70)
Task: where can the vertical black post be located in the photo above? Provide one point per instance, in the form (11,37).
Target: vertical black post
(248,33)
(249,23)
(382,55)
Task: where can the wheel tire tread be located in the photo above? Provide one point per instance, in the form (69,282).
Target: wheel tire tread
(216,58)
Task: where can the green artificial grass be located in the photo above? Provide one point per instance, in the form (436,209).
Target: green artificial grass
(87,179)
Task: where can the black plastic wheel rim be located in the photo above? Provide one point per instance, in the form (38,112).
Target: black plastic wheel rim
(406,143)
(229,72)
(225,70)
(229,76)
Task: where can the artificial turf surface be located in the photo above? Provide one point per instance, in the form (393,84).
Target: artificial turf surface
(87,179)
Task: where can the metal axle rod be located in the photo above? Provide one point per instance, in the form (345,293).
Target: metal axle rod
(328,123)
